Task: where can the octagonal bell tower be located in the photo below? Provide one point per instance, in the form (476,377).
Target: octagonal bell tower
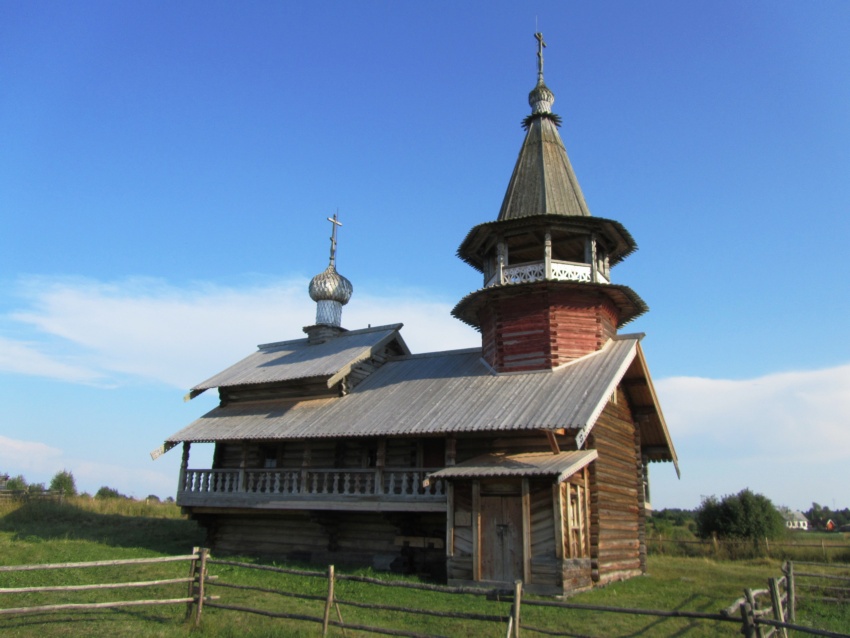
(547,296)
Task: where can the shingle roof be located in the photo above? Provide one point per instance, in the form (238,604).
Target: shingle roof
(543,181)
(290,360)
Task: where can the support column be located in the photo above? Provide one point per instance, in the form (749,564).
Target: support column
(547,256)
(184,467)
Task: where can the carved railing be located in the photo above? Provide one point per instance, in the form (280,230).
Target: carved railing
(536,271)
(397,483)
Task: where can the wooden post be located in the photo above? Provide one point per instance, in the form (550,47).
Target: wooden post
(767,546)
(330,601)
(776,599)
(751,602)
(517,603)
(450,519)
(243,461)
(501,249)
(792,595)
(184,467)
(558,511)
(476,530)
(823,548)
(526,531)
(594,271)
(191,593)
(201,593)
(547,256)
(714,542)
(380,462)
(748,619)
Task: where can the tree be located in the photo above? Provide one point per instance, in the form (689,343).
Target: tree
(17,483)
(63,482)
(741,515)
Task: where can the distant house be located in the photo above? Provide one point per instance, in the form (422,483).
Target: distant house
(795,520)
(830,525)
(4,479)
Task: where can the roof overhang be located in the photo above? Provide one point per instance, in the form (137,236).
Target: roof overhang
(481,238)
(537,464)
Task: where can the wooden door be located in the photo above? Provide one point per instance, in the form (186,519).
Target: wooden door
(501,538)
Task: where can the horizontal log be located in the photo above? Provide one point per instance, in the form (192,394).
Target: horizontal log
(99,563)
(147,583)
(87,606)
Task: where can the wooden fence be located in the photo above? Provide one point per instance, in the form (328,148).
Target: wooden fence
(824,582)
(760,613)
(732,548)
(194,583)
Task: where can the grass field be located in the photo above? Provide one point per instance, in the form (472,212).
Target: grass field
(85,530)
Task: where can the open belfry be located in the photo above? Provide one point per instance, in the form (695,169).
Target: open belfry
(524,459)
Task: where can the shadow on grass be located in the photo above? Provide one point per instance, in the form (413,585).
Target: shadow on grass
(45,521)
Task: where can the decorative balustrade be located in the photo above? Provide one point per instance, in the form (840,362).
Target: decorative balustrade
(536,271)
(400,483)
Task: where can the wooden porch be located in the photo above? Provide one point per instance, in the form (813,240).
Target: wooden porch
(373,489)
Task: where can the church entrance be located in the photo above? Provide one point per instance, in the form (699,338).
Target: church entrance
(501,538)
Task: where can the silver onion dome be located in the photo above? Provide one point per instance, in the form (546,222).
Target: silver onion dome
(331,291)
(329,285)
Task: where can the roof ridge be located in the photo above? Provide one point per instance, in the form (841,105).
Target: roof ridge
(347,333)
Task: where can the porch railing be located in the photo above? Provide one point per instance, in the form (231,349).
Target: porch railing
(404,483)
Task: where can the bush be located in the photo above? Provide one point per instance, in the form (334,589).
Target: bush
(108,492)
(744,515)
(64,482)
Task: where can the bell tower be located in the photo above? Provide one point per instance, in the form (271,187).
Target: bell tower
(547,296)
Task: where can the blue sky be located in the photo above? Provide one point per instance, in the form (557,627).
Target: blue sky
(167,168)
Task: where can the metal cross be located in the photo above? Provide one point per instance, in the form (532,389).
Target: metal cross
(333,220)
(540,46)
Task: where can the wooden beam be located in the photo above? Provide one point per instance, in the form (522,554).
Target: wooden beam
(553,441)
(558,512)
(450,519)
(476,530)
(526,531)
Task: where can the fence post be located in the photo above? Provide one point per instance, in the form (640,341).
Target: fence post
(776,599)
(823,548)
(714,541)
(517,602)
(191,593)
(792,594)
(748,619)
(330,601)
(201,576)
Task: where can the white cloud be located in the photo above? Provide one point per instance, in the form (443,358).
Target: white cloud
(26,358)
(785,435)
(181,335)
(25,456)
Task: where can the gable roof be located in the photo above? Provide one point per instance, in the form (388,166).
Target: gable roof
(436,393)
(298,359)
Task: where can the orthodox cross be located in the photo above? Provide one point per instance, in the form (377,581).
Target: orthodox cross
(333,220)
(540,46)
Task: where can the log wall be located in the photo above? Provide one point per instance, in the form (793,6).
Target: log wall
(404,543)
(616,495)
(544,327)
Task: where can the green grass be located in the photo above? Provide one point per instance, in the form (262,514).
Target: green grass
(84,530)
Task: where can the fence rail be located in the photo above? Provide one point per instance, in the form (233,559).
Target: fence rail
(193,599)
(760,613)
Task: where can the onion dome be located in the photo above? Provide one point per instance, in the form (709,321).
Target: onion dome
(329,285)
(541,98)
(330,290)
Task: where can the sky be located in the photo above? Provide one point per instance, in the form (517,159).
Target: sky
(166,171)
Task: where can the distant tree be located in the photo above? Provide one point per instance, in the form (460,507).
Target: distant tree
(741,515)
(818,516)
(152,498)
(108,492)
(169,499)
(17,483)
(36,488)
(64,482)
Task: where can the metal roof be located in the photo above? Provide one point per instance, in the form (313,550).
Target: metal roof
(563,465)
(297,359)
(436,393)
